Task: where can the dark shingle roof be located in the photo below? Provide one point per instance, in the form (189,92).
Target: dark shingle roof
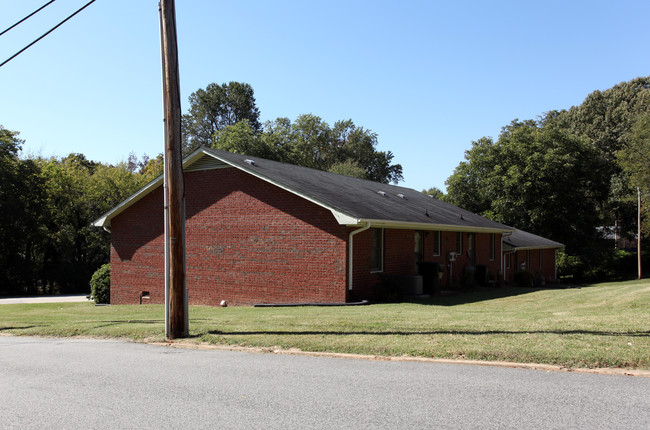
(523,240)
(360,199)
(352,201)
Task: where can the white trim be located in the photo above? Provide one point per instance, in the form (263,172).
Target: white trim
(403,225)
(351,254)
(104,220)
(528,248)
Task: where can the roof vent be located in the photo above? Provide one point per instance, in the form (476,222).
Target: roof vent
(401,196)
(430,195)
(383,193)
(249,161)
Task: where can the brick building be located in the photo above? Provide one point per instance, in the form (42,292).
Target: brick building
(261,231)
(532,253)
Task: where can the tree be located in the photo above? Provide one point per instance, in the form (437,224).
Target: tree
(536,177)
(21,216)
(348,168)
(634,159)
(214,108)
(436,193)
(311,142)
(77,191)
(606,117)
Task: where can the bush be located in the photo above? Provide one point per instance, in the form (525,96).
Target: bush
(596,264)
(524,278)
(100,284)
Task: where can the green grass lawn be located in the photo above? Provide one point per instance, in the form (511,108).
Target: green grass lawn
(603,325)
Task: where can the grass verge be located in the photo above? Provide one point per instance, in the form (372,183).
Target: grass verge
(603,325)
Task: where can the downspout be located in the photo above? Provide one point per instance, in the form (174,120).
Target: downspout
(503,260)
(351,253)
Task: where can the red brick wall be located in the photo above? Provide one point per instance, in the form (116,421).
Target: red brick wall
(399,257)
(547,269)
(247,242)
(481,252)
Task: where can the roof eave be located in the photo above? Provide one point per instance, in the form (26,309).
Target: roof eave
(508,247)
(105,219)
(428,226)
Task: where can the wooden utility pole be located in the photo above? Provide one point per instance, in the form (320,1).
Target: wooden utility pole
(638,234)
(176,298)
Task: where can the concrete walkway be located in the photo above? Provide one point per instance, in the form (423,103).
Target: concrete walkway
(44,299)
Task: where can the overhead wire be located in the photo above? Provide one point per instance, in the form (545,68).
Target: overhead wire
(28,16)
(44,34)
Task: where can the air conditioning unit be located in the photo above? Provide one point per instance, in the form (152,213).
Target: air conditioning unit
(451,256)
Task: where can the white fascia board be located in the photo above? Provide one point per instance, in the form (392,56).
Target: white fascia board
(345,219)
(425,226)
(105,220)
(527,248)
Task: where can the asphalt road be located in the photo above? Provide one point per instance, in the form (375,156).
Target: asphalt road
(82,384)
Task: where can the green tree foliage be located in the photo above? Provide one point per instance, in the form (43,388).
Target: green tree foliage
(21,217)
(435,192)
(311,142)
(46,206)
(536,177)
(570,176)
(348,168)
(216,107)
(225,117)
(606,117)
(78,191)
(634,159)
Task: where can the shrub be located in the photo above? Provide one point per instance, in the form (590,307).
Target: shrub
(524,279)
(100,284)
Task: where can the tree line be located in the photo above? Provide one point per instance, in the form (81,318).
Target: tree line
(569,175)
(47,244)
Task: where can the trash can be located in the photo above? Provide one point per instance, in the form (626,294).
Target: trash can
(481,275)
(430,272)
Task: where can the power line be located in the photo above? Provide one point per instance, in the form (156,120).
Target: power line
(46,33)
(29,16)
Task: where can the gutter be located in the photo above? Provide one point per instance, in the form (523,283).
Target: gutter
(351,253)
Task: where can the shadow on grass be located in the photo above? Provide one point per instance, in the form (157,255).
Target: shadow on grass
(19,328)
(420,333)
(478,294)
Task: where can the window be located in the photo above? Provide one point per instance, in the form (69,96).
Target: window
(459,243)
(540,258)
(527,259)
(492,247)
(436,243)
(376,249)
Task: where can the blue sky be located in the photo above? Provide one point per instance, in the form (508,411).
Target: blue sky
(428,77)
